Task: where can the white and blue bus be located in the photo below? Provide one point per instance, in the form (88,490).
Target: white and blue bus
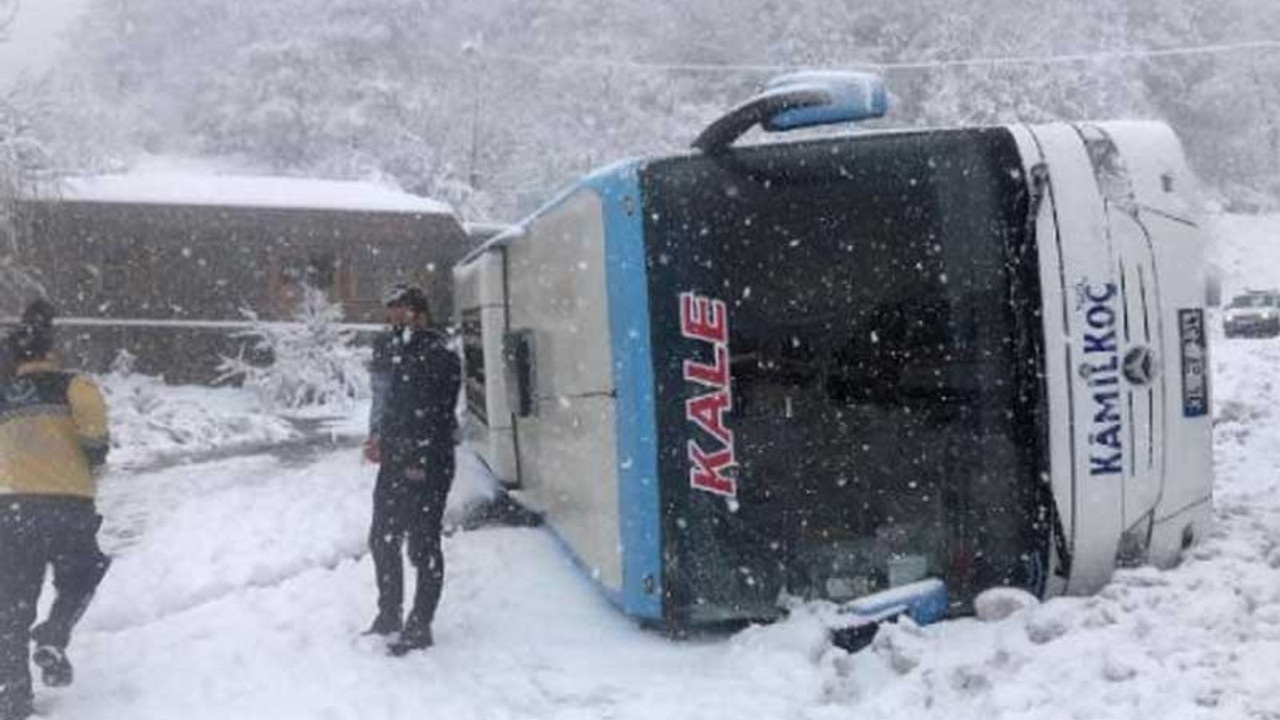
(827,369)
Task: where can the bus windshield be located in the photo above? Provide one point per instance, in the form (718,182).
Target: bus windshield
(883,303)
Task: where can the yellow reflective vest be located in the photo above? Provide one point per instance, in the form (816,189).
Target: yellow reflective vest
(53,432)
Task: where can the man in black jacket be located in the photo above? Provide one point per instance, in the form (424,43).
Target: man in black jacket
(380,369)
(416,436)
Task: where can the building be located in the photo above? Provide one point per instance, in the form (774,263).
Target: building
(168,266)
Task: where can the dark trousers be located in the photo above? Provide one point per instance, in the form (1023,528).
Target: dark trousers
(412,510)
(37,532)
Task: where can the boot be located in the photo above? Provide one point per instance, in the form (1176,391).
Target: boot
(384,624)
(413,638)
(55,668)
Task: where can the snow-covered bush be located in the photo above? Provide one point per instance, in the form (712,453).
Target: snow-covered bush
(311,361)
(152,421)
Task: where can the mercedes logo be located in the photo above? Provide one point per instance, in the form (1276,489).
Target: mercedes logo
(1139,365)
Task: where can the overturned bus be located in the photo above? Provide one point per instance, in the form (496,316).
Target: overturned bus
(826,369)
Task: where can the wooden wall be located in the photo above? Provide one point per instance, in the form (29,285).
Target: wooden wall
(206,263)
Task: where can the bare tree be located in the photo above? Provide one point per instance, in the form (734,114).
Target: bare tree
(21,157)
(8,11)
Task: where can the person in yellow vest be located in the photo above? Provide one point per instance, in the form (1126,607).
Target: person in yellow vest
(53,440)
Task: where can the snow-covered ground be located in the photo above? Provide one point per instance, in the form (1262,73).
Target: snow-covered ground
(240,587)
(154,424)
(151,421)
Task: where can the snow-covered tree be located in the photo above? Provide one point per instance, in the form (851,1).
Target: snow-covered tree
(8,11)
(22,157)
(311,361)
(495,104)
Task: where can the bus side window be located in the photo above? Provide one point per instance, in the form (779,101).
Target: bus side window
(473,364)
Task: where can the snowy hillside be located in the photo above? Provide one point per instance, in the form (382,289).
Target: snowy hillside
(240,589)
(1246,251)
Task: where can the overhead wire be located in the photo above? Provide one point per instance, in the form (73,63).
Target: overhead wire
(1067,58)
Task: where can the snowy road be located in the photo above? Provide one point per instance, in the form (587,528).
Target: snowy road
(245,595)
(240,587)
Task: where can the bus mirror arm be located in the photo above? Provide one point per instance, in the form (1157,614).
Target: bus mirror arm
(803,99)
(924,601)
(722,133)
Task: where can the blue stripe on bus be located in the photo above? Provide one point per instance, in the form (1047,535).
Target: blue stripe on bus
(626,277)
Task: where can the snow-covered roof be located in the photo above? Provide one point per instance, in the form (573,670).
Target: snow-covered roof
(170,188)
(486,229)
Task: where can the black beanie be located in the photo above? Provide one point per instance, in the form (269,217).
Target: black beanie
(33,337)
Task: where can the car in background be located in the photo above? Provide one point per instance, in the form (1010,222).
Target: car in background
(1256,313)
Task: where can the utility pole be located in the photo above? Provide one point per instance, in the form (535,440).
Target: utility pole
(471,50)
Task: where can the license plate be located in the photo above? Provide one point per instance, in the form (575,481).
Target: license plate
(1195,366)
